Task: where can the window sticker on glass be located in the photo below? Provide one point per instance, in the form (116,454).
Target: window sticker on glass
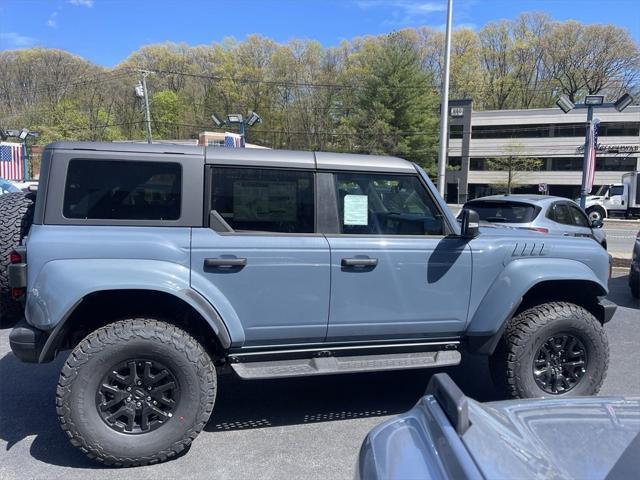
(264,201)
(356,210)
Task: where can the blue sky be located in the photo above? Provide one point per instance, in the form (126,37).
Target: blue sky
(106,31)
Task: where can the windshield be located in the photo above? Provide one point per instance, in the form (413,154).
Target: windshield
(503,211)
(602,191)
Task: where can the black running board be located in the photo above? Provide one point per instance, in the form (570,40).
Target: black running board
(327,365)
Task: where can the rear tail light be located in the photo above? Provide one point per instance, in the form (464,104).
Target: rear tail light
(15,257)
(17,293)
(537,229)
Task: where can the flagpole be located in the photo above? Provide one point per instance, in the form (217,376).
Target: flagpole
(585,160)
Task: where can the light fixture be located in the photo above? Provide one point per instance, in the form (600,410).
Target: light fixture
(623,102)
(564,103)
(234,118)
(253,118)
(24,133)
(594,100)
(216,120)
(139,90)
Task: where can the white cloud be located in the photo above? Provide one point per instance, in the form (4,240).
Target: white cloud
(82,3)
(52,22)
(15,40)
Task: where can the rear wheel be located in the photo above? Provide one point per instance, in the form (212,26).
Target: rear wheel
(135,392)
(16,217)
(553,349)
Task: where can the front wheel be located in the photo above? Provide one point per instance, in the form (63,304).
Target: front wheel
(596,213)
(551,350)
(135,392)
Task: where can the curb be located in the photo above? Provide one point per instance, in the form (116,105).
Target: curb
(620,262)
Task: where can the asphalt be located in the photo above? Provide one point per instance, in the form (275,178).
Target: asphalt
(292,428)
(620,237)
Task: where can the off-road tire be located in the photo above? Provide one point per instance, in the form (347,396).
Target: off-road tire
(16,217)
(512,363)
(93,358)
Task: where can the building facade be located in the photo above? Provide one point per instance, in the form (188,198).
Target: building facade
(553,138)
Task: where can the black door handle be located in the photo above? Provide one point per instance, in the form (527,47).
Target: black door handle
(224,262)
(359,262)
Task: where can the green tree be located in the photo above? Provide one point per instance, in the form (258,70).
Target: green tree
(396,103)
(515,162)
(166,114)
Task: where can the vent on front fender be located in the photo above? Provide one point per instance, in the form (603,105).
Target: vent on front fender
(529,249)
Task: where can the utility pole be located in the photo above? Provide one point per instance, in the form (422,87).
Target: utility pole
(144,93)
(444,111)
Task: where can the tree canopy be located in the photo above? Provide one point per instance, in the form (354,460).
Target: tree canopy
(377,94)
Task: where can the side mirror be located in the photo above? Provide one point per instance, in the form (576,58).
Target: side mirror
(469,223)
(597,223)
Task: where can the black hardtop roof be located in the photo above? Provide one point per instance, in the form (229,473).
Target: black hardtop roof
(254,156)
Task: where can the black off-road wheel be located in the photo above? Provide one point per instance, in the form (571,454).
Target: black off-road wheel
(16,217)
(135,392)
(551,350)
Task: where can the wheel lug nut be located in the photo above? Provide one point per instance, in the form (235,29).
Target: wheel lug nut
(148,388)
(155,403)
(148,399)
(139,382)
(138,404)
(129,398)
(128,389)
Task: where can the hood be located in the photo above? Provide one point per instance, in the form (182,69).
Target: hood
(548,438)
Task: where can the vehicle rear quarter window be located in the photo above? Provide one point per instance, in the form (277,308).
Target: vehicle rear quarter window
(264,200)
(504,211)
(122,190)
(386,204)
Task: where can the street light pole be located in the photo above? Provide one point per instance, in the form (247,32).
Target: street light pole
(590,102)
(585,160)
(444,112)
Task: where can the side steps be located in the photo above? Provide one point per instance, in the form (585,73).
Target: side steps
(326,362)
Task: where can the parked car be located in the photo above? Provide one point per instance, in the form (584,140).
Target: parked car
(541,213)
(159,265)
(450,436)
(634,270)
(7,186)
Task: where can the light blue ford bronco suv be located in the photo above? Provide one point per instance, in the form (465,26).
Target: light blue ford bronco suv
(159,266)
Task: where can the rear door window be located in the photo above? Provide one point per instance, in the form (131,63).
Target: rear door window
(578,218)
(122,190)
(559,212)
(504,211)
(264,200)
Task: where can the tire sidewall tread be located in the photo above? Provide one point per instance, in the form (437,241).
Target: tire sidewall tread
(512,362)
(76,409)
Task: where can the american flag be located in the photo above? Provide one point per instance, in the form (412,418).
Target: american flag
(233,140)
(592,147)
(11,162)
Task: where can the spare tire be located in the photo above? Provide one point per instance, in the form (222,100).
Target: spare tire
(16,217)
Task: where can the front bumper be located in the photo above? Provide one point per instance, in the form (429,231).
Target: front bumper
(27,342)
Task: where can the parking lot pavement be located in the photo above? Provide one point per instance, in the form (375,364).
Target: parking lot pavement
(621,237)
(288,428)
